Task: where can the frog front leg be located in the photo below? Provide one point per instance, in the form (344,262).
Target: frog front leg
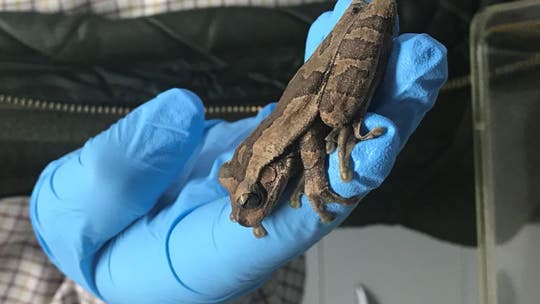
(316,186)
(345,138)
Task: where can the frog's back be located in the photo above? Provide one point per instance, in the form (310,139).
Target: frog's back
(359,62)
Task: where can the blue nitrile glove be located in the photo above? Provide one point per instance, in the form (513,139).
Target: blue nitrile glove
(137,215)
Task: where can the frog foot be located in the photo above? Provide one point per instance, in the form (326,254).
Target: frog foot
(345,138)
(259,231)
(320,199)
(373,133)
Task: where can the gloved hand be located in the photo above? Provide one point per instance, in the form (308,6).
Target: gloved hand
(137,215)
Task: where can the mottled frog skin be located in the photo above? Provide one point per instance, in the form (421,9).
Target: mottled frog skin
(321,109)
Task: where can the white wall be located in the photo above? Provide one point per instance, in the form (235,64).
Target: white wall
(397,265)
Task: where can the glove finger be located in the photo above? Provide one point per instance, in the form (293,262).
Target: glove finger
(317,32)
(87,197)
(416,70)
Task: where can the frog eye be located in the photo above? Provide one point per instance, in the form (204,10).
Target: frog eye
(254,198)
(250,200)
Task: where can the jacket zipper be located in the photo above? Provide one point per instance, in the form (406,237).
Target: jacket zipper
(38,104)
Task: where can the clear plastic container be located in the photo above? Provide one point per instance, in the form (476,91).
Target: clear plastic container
(505,63)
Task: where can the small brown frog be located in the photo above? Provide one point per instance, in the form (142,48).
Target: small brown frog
(322,108)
